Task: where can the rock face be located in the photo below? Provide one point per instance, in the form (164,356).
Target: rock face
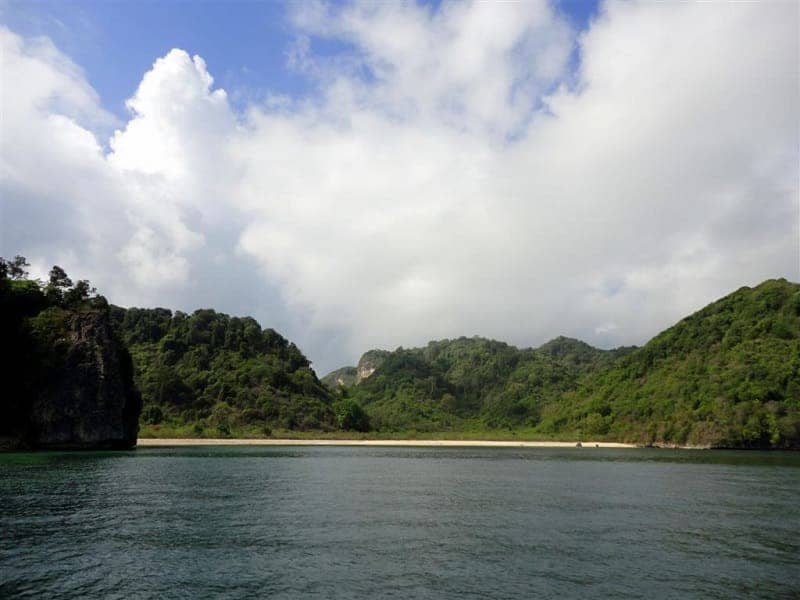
(344,377)
(89,399)
(350,376)
(369,362)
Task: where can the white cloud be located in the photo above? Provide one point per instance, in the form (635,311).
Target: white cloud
(473,66)
(178,121)
(442,183)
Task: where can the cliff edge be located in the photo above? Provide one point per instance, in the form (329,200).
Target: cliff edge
(88,399)
(67,376)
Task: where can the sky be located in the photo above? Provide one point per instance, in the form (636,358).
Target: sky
(361,175)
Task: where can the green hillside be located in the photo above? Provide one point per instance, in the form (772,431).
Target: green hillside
(728,375)
(214,375)
(473,382)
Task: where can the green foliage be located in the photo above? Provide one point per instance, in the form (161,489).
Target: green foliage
(451,384)
(404,393)
(34,330)
(57,286)
(15,268)
(728,375)
(350,416)
(222,373)
(152,415)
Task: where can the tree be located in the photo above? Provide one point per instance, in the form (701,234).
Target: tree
(14,269)
(78,293)
(59,278)
(58,284)
(350,416)
(152,415)
(222,415)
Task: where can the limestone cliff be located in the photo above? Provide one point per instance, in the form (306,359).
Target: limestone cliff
(87,398)
(344,377)
(78,390)
(369,362)
(350,376)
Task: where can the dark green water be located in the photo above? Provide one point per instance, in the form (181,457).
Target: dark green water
(297,522)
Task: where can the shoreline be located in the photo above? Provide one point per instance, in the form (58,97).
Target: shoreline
(167,442)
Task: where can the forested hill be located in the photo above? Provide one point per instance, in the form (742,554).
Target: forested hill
(211,374)
(728,375)
(67,377)
(469,383)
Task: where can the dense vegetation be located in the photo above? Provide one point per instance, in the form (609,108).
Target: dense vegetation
(729,375)
(45,359)
(204,374)
(213,375)
(473,383)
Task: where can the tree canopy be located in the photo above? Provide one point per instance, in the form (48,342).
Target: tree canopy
(728,375)
(218,374)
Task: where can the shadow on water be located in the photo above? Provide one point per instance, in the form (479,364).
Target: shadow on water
(655,455)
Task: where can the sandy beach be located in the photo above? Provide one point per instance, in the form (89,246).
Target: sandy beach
(449,443)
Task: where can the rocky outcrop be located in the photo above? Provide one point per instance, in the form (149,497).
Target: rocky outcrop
(344,377)
(350,376)
(369,362)
(87,398)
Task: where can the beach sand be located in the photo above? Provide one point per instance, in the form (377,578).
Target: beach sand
(437,443)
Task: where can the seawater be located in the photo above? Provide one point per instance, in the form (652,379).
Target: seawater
(333,522)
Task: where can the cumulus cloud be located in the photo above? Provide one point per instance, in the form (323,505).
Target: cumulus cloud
(148,217)
(452,176)
(472,66)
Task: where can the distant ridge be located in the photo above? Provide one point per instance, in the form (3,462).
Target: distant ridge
(725,376)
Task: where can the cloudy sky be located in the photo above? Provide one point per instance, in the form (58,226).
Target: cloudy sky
(382,174)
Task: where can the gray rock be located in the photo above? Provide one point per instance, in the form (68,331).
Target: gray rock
(89,400)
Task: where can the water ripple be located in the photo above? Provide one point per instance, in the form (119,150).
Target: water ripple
(399,522)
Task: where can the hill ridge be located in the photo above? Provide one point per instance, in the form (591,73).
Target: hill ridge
(726,375)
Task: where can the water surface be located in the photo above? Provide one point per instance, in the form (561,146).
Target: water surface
(344,522)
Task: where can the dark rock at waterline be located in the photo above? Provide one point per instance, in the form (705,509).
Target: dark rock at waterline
(87,398)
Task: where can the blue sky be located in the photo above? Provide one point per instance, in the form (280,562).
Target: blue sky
(244,43)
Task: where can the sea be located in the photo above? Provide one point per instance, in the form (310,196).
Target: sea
(400,522)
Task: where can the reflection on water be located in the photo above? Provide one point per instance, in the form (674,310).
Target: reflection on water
(405,522)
